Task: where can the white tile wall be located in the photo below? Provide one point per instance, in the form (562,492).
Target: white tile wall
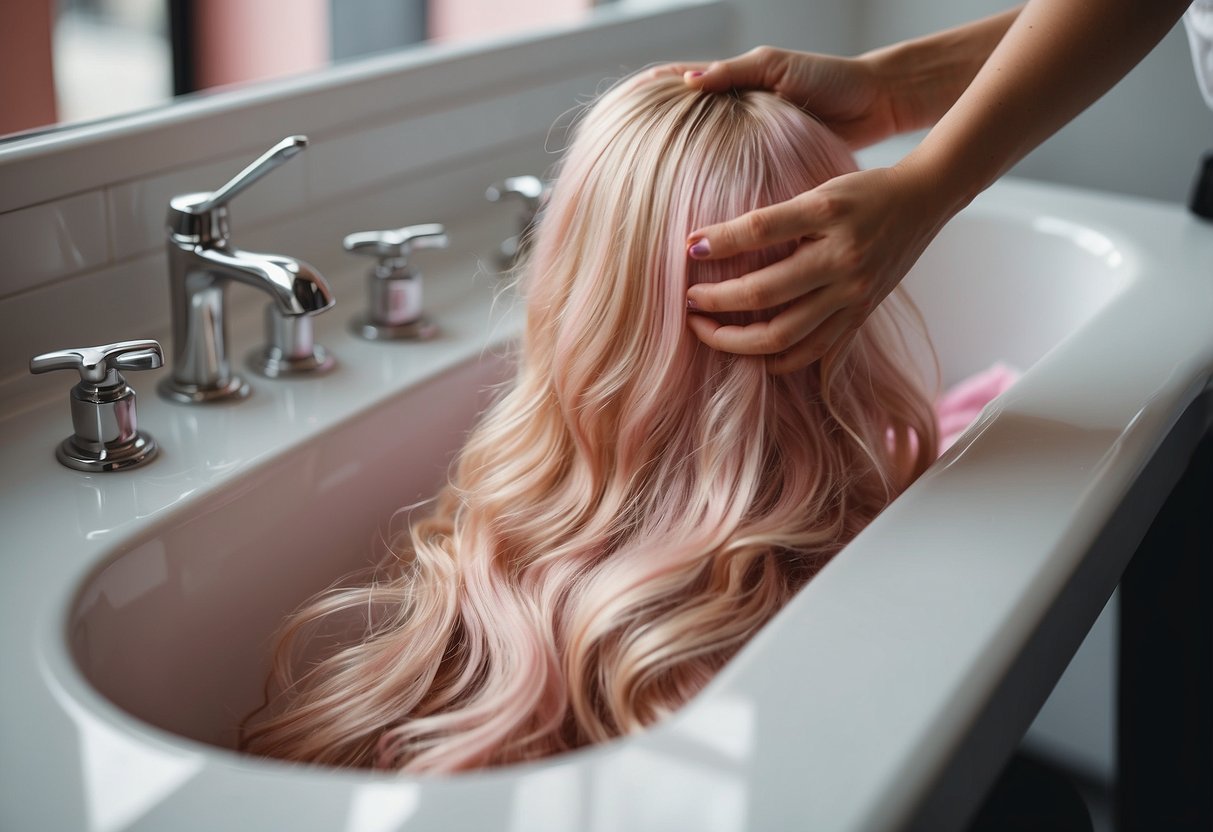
(45,242)
(351,162)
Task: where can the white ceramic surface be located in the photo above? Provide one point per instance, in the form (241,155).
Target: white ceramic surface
(52,240)
(134,607)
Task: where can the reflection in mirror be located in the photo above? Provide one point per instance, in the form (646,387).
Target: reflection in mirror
(70,61)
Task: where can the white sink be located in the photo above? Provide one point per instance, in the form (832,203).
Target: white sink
(174,627)
(138,607)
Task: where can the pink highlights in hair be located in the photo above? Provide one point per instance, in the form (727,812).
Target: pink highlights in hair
(637,505)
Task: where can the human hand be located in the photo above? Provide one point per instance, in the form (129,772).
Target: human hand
(847,94)
(859,234)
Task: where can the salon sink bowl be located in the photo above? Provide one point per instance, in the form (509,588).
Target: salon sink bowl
(175,625)
(878,699)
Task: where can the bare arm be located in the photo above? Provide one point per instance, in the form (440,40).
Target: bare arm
(923,78)
(870,97)
(1055,59)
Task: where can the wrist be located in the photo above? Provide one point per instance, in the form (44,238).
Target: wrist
(916,81)
(938,190)
(922,78)
(883,71)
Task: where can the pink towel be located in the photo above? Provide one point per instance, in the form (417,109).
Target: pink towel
(962,403)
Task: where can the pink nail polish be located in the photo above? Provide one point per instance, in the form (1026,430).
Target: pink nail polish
(700,249)
(694,73)
(692,305)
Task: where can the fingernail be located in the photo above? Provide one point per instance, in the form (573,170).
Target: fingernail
(693,73)
(692,305)
(700,249)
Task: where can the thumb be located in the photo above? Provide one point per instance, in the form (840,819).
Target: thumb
(755,69)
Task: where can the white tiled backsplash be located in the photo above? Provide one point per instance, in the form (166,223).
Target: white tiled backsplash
(46,242)
(87,264)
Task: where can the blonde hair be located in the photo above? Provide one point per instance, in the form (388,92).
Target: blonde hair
(637,505)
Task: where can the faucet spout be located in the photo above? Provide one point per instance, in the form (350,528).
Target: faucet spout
(198,278)
(296,287)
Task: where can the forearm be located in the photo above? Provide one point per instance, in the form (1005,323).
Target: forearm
(922,78)
(1056,59)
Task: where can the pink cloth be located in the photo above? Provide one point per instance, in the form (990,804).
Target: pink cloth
(963,402)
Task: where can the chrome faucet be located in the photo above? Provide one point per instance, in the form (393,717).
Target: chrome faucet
(533,193)
(202,261)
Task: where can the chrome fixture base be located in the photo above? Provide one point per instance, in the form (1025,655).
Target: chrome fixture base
(271,362)
(422,329)
(101,458)
(290,348)
(236,389)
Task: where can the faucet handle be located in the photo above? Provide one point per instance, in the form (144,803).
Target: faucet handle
(530,189)
(394,289)
(96,364)
(278,154)
(106,435)
(533,192)
(393,246)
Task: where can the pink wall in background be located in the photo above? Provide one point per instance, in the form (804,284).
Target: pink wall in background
(238,40)
(460,19)
(27,76)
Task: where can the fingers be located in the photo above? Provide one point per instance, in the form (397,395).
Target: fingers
(755,339)
(791,220)
(783,332)
(683,68)
(839,325)
(780,282)
(759,68)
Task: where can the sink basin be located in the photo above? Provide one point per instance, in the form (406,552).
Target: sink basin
(886,695)
(176,626)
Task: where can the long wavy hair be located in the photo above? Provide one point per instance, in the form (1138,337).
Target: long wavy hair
(636,505)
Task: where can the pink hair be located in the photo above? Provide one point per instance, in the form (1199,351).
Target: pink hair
(637,505)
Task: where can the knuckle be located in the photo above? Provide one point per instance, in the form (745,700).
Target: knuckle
(828,204)
(859,292)
(851,259)
(758,225)
(775,340)
(857,313)
(754,295)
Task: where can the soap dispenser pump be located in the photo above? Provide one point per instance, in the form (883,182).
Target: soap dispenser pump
(394,286)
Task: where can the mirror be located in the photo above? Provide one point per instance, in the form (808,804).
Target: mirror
(66,62)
